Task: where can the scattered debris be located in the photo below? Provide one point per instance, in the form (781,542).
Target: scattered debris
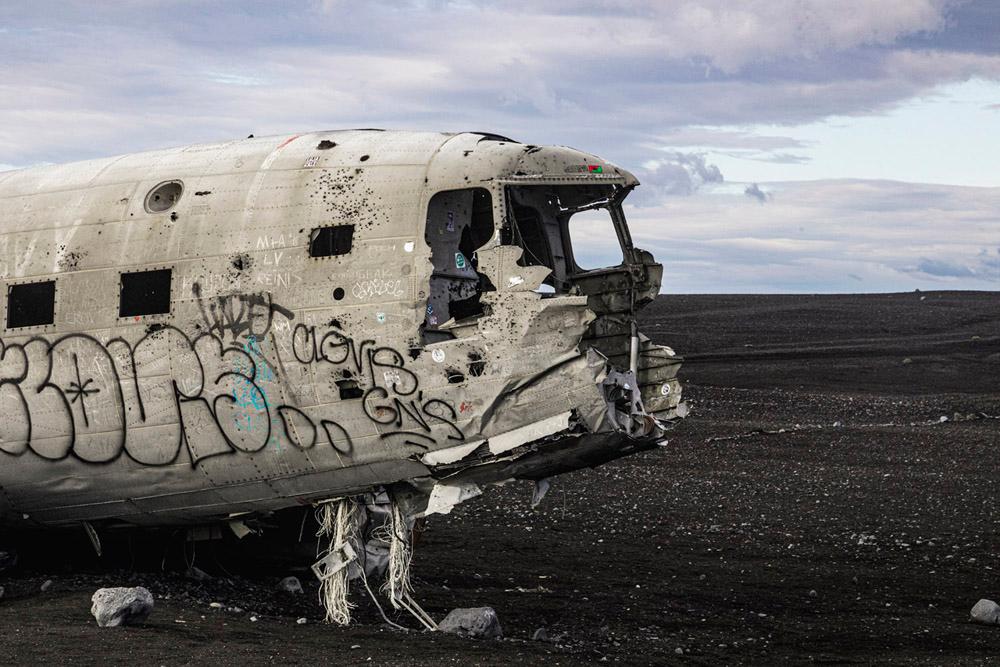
(986,611)
(542,487)
(121,606)
(474,622)
(290,585)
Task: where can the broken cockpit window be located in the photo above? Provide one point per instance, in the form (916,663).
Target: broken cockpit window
(571,229)
(459,222)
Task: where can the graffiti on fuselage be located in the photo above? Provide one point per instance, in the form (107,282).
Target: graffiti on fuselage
(170,397)
(238,315)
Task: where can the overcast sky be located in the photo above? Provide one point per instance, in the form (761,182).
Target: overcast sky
(783,145)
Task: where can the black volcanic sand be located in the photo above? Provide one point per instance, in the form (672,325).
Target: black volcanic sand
(814,507)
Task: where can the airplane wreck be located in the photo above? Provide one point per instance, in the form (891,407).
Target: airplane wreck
(375,325)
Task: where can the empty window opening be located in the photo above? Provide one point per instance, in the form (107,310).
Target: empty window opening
(594,242)
(145,293)
(570,229)
(330,241)
(459,222)
(31,305)
(164,196)
(349,389)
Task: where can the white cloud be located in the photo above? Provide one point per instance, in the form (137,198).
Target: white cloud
(813,235)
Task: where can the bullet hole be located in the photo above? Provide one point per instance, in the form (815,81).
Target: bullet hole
(241,262)
(454,377)
(326,145)
(69,260)
(335,323)
(364,158)
(164,196)
(414,352)
(338,294)
(202,193)
(477,365)
(173,216)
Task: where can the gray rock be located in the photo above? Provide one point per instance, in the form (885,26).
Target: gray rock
(290,585)
(475,622)
(540,635)
(986,611)
(197,574)
(46,585)
(121,606)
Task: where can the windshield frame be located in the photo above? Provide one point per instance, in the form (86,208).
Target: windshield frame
(521,197)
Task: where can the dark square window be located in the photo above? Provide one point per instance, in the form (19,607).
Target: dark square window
(329,241)
(31,305)
(145,293)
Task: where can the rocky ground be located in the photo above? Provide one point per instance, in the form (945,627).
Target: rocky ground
(832,498)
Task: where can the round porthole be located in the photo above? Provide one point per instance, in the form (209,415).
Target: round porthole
(164,196)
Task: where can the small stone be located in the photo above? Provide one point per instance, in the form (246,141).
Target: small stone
(197,574)
(46,585)
(2,591)
(540,635)
(474,622)
(301,621)
(215,605)
(121,606)
(813,593)
(907,361)
(986,611)
(679,651)
(253,619)
(290,585)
